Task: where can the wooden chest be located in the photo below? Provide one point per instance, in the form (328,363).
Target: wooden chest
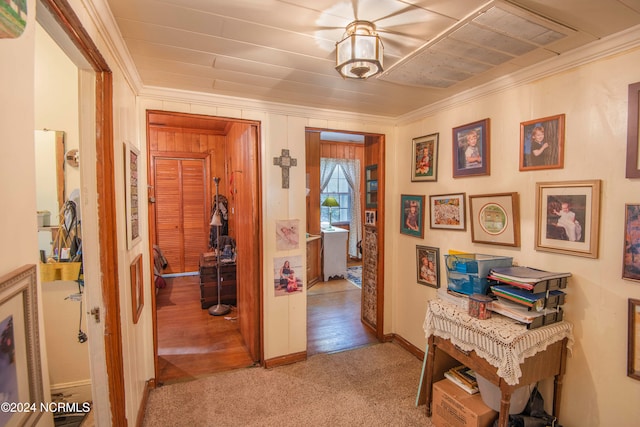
(209,283)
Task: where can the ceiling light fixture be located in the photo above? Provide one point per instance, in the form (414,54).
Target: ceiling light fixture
(359,54)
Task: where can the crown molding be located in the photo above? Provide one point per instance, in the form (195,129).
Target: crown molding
(606,47)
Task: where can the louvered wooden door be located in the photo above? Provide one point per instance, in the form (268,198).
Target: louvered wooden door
(181,211)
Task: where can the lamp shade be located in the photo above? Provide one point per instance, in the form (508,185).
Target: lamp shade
(359,54)
(330,202)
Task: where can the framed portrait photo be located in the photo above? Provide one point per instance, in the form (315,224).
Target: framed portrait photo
(542,143)
(137,288)
(631,251)
(471,149)
(424,158)
(447,211)
(428,266)
(567,217)
(412,215)
(633,355)
(633,139)
(495,219)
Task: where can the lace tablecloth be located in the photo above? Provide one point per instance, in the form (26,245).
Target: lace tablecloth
(501,341)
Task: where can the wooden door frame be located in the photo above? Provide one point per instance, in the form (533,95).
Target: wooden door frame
(379,328)
(69,22)
(257,220)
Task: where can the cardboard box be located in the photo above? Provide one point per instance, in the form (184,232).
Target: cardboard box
(454,407)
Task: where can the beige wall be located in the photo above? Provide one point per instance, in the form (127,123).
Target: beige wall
(594,99)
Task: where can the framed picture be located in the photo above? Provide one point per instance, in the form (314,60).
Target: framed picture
(471,149)
(447,211)
(137,288)
(495,219)
(428,266)
(424,158)
(633,355)
(542,143)
(20,360)
(631,252)
(633,139)
(370,218)
(132,201)
(567,217)
(412,215)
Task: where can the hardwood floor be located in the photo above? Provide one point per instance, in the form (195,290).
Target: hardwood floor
(333,318)
(192,343)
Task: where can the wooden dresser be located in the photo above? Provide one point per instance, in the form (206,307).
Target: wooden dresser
(209,282)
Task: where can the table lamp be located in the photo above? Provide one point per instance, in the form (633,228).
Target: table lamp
(330,202)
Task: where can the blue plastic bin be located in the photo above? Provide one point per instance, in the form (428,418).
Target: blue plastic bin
(467,273)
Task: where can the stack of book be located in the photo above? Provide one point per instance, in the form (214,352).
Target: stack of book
(528,295)
(464,378)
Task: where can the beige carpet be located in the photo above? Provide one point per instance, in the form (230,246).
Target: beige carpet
(369,386)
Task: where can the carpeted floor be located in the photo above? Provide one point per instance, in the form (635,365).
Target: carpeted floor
(369,386)
(354,275)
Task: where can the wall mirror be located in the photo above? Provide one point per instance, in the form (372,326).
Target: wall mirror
(50,180)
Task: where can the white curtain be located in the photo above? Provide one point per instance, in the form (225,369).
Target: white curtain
(351,169)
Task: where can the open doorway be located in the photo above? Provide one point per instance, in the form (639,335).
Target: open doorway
(345,298)
(195,160)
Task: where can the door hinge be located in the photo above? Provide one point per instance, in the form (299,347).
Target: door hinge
(95,312)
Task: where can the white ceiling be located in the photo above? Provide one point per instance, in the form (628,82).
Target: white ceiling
(284,50)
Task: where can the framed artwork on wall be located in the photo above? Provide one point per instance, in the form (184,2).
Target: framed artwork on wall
(495,219)
(447,211)
(542,143)
(412,215)
(137,288)
(633,355)
(424,158)
(132,201)
(428,266)
(631,251)
(471,149)
(567,217)
(20,359)
(633,139)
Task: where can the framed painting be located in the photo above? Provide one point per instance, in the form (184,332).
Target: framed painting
(471,149)
(412,215)
(542,143)
(633,355)
(424,158)
(631,251)
(428,266)
(567,217)
(495,219)
(633,139)
(132,201)
(137,288)
(20,359)
(447,211)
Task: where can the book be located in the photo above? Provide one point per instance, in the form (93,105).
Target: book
(533,301)
(461,384)
(526,274)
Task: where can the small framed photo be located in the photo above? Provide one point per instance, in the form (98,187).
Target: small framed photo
(424,158)
(633,139)
(542,143)
(137,288)
(447,211)
(631,253)
(412,215)
(567,217)
(428,266)
(471,149)
(370,218)
(495,219)
(633,355)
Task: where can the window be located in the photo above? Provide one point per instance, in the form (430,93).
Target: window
(337,187)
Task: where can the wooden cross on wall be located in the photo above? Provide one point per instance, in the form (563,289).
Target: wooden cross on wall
(285,162)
